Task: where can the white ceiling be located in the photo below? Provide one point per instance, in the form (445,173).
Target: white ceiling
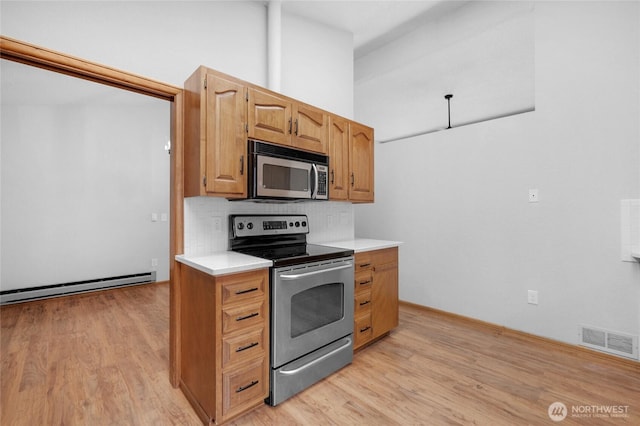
(373,23)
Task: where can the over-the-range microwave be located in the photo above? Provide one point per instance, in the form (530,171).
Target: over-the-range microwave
(281,173)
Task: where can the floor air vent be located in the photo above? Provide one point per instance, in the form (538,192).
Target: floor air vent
(35,293)
(613,342)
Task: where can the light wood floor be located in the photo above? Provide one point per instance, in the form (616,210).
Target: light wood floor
(102,358)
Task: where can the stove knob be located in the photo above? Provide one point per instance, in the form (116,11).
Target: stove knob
(290,224)
(297,224)
(249,225)
(241,226)
(304,224)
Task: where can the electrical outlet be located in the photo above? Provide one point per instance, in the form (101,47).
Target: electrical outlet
(154,263)
(532,297)
(217,223)
(533,195)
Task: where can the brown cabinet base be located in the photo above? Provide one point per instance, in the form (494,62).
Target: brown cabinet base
(376,295)
(224,342)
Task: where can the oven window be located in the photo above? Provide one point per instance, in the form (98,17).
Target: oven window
(316,307)
(285,178)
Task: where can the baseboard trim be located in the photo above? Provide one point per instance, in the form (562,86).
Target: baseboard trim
(87,293)
(569,348)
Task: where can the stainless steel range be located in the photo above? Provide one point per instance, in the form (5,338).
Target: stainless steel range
(311,300)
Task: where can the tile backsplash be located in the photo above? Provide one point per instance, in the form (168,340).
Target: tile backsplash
(206,221)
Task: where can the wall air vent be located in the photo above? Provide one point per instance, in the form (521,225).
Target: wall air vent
(612,342)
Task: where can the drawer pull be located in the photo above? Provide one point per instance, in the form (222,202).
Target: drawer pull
(250,385)
(249,346)
(365,282)
(362,330)
(365,302)
(249,290)
(255,314)
(364,265)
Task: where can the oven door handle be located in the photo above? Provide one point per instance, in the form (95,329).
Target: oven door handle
(317,360)
(308,274)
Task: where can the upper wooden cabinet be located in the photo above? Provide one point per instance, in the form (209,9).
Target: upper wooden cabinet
(338,158)
(215,135)
(222,112)
(360,163)
(310,128)
(269,117)
(278,119)
(351,161)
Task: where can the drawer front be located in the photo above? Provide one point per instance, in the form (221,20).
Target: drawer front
(243,316)
(362,303)
(363,281)
(244,386)
(363,261)
(238,348)
(362,329)
(243,287)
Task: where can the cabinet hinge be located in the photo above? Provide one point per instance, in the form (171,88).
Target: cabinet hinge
(204,181)
(246,127)
(246,96)
(205,82)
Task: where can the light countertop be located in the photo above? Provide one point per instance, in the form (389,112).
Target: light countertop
(229,262)
(224,262)
(363,244)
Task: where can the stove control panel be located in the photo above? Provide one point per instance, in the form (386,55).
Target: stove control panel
(258,225)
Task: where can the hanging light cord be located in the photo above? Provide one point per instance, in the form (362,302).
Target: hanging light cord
(448,98)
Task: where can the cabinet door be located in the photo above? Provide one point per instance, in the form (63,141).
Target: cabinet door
(310,128)
(269,117)
(361,163)
(338,158)
(226,140)
(384,293)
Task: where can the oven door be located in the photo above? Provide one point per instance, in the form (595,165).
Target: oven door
(282,178)
(312,306)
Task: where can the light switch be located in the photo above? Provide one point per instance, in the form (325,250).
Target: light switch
(154,217)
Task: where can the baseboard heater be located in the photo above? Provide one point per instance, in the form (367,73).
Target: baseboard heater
(55,290)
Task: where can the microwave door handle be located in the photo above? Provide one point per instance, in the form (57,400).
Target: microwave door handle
(314,185)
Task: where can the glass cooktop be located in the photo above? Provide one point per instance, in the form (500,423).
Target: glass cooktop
(286,255)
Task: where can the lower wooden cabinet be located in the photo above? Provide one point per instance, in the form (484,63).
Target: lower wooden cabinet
(224,342)
(375,294)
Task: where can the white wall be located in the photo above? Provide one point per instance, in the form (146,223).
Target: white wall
(458,198)
(168,40)
(317,65)
(79,184)
(164,40)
